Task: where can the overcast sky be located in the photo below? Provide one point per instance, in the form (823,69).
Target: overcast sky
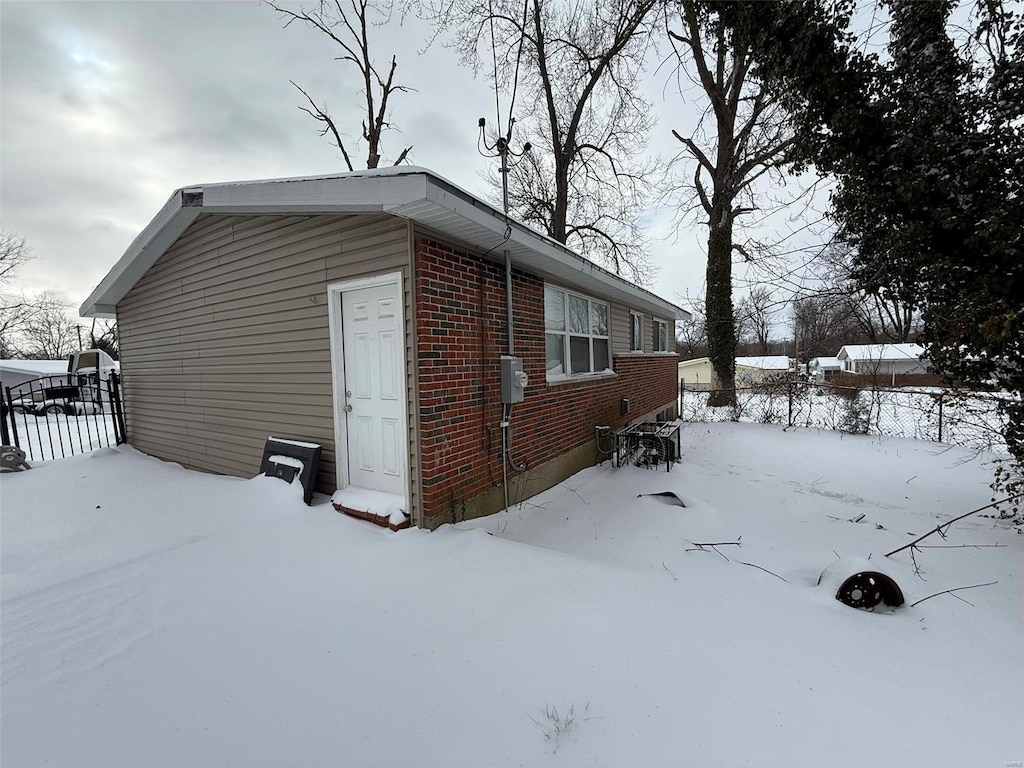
(107,107)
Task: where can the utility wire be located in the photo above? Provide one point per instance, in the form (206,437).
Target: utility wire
(494,62)
(519,54)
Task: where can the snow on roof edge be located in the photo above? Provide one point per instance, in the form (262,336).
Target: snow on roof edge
(168,223)
(903,351)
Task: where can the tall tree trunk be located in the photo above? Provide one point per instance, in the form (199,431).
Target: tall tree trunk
(721,329)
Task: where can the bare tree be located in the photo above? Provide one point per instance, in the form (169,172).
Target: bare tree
(578,66)
(878,315)
(347,26)
(50,333)
(103,335)
(823,323)
(692,339)
(17,308)
(883,317)
(14,252)
(741,136)
(758,311)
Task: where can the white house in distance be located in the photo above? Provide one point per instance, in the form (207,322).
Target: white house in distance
(820,368)
(750,371)
(15,372)
(883,359)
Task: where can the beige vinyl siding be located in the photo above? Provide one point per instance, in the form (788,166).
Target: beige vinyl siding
(225,340)
(622,328)
(619,329)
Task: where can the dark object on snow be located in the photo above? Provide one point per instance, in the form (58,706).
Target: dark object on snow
(866,589)
(668,496)
(869,588)
(12,459)
(306,454)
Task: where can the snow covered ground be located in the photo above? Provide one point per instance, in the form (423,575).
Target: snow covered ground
(154,616)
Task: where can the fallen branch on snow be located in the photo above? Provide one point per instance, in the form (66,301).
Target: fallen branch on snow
(699,546)
(939,528)
(762,569)
(951,591)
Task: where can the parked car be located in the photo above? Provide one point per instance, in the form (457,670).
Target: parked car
(80,399)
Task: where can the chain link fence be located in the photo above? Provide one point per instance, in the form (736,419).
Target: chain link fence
(956,417)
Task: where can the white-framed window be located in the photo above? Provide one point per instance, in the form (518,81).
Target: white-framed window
(660,336)
(636,331)
(576,334)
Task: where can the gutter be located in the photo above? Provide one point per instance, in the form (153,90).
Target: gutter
(371,191)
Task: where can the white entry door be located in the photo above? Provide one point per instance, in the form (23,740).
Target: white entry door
(372,399)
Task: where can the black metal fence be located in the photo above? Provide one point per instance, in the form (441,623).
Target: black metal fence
(955,417)
(57,416)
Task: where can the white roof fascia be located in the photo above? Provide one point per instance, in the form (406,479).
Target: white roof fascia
(372,193)
(143,253)
(563,264)
(409,192)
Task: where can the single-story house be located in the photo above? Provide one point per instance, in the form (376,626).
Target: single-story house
(366,312)
(882,359)
(822,368)
(696,374)
(15,372)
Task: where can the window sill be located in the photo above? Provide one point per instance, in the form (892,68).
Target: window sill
(581,378)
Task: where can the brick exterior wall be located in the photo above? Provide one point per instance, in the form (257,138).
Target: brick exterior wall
(461,334)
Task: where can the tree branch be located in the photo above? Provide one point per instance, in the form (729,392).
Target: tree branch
(939,528)
(951,591)
(322,117)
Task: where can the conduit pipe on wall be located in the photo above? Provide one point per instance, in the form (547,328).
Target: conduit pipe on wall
(508,303)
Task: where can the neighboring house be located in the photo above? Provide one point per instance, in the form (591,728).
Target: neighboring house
(882,359)
(366,312)
(751,371)
(15,372)
(696,374)
(821,368)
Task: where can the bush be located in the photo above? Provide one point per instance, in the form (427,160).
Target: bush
(856,418)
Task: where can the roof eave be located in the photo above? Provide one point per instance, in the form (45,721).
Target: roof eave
(417,194)
(561,262)
(143,253)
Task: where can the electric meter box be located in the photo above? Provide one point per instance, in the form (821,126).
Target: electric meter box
(513,379)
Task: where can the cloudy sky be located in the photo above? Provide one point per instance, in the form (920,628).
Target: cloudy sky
(107,107)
